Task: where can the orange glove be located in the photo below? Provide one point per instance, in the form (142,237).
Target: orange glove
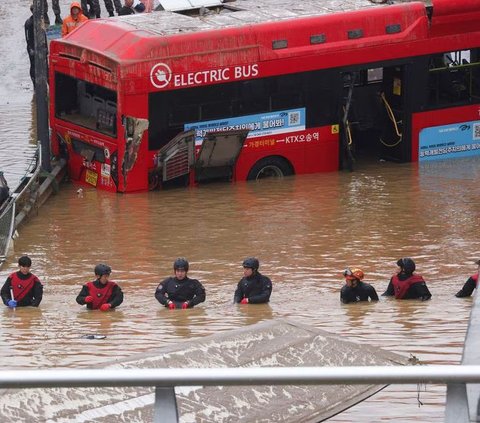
(105,307)
(244,301)
(88,299)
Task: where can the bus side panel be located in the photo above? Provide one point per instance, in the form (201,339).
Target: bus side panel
(309,151)
(443,118)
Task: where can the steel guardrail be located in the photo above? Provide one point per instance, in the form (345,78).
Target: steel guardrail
(440,374)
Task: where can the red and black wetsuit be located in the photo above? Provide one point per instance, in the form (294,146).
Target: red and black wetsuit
(27,289)
(469,287)
(109,293)
(406,286)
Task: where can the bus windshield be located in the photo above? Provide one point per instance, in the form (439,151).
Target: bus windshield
(83,103)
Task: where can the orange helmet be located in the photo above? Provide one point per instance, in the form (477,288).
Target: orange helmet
(353,274)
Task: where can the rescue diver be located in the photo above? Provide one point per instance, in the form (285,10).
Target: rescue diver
(22,288)
(354,289)
(470,285)
(404,285)
(253,288)
(180,291)
(101,294)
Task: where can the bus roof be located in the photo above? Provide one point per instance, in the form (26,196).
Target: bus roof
(238,13)
(113,37)
(248,30)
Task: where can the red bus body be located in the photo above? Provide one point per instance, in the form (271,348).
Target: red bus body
(312,90)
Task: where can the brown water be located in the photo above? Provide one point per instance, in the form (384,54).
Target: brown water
(305,231)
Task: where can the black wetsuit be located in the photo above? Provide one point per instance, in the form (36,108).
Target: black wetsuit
(180,291)
(416,290)
(256,288)
(31,298)
(115,299)
(468,288)
(362,292)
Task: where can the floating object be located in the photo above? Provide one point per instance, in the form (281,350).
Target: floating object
(93,336)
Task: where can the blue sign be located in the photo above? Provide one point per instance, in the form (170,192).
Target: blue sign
(449,141)
(259,125)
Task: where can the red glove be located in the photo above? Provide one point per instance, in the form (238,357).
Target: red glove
(185,305)
(244,301)
(105,307)
(88,299)
(171,306)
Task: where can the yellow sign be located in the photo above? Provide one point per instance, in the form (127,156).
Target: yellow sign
(397,86)
(335,129)
(91,178)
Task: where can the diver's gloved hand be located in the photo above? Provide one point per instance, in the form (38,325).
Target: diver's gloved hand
(12,303)
(88,299)
(105,307)
(171,305)
(244,301)
(185,305)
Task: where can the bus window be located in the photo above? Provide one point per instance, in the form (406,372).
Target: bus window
(85,104)
(454,78)
(375,75)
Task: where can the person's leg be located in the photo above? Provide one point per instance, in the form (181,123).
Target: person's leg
(85,4)
(118,5)
(96,8)
(56,10)
(32,67)
(109,7)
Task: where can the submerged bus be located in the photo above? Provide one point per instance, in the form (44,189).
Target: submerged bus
(242,90)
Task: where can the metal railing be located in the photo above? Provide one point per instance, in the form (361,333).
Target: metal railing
(25,193)
(165,380)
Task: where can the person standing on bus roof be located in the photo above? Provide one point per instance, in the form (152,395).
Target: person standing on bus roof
(22,288)
(131,7)
(471,283)
(101,293)
(404,285)
(354,289)
(74,20)
(253,288)
(180,291)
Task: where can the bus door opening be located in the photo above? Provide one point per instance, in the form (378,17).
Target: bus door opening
(218,155)
(360,115)
(372,116)
(393,143)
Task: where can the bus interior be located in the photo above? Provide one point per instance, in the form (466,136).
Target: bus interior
(378,102)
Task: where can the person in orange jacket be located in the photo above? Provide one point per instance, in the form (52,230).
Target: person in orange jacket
(75,19)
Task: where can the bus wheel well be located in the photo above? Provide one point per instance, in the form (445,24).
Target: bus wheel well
(270,167)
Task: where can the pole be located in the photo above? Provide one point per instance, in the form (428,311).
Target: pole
(41,76)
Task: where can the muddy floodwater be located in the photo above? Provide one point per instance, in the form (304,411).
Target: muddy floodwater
(305,230)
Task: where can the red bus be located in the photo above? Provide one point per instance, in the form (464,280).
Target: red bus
(238,91)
